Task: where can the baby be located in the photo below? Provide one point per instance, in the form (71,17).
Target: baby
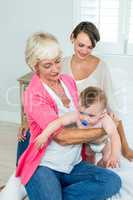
(92,113)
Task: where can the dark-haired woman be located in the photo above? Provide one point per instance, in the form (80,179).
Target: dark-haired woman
(89,70)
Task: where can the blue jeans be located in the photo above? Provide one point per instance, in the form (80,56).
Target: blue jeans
(85,182)
(22,146)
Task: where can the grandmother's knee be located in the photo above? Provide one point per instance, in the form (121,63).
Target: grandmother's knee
(114,183)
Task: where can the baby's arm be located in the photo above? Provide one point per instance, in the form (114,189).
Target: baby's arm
(110,127)
(64,120)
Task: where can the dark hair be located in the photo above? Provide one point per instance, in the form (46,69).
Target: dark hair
(90,29)
(92,95)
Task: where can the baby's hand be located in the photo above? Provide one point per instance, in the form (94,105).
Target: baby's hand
(40,141)
(112,162)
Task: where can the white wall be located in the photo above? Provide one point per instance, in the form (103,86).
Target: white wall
(18,19)
(121,68)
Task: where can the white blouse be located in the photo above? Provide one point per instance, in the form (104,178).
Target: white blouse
(58,157)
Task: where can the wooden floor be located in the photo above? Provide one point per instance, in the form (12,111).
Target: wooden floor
(8,133)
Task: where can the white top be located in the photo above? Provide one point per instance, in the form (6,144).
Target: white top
(99,78)
(57,157)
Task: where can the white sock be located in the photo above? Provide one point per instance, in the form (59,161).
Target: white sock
(13,190)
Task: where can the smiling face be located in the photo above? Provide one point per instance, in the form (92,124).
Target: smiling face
(82,46)
(93,113)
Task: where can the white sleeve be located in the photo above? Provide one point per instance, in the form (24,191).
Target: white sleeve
(110,92)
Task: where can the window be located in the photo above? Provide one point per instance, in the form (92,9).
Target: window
(114,19)
(130,37)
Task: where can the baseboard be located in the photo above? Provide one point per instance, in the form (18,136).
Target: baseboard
(9,116)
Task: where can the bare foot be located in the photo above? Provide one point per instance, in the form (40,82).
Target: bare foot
(101,163)
(2,187)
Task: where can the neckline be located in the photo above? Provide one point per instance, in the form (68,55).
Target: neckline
(54,94)
(70,70)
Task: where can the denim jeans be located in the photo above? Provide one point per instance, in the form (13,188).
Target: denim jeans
(22,146)
(85,182)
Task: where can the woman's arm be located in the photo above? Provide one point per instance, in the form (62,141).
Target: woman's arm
(66,119)
(77,136)
(127,152)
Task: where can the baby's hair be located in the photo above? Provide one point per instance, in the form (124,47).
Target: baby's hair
(92,95)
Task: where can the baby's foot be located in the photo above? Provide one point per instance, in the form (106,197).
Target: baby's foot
(101,163)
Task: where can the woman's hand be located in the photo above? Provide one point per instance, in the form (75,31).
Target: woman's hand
(21,134)
(41,140)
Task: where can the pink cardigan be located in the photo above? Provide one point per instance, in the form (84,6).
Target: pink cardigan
(41,109)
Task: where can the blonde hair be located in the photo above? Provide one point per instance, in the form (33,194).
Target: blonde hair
(41,45)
